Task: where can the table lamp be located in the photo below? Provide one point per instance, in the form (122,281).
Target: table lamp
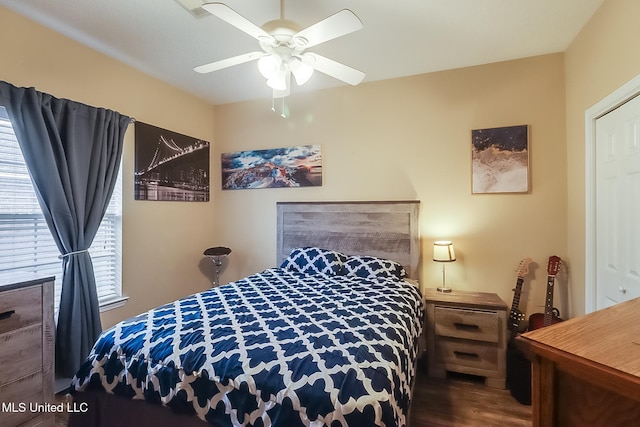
(443,252)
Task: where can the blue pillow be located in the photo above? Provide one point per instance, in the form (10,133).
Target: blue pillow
(369,267)
(311,260)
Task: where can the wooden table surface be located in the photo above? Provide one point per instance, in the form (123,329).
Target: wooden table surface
(586,370)
(609,337)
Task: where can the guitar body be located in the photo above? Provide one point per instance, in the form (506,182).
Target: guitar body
(518,366)
(517,321)
(536,320)
(551,315)
(518,374)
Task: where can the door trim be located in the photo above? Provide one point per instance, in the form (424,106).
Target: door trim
(629,90)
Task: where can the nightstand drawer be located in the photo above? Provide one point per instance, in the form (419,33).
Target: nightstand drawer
(476,355)
(467,324)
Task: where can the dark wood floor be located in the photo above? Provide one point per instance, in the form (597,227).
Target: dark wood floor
(61,418)
(458,401)
(461,401)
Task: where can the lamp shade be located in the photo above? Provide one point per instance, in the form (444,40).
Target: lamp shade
(217,251)
(443,251)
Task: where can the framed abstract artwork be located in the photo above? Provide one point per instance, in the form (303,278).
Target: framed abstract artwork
(299,166)
(500,160)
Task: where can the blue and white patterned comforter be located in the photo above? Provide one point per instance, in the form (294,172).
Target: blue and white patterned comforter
(277,348)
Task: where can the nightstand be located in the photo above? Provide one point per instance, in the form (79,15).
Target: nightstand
(467,333)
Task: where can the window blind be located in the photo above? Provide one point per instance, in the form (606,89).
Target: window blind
(25,241)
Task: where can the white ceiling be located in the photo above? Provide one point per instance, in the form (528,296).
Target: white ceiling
(399,38)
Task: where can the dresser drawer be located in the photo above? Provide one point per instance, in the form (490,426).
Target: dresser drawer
(21,353)
(467,324)
(481,357)
(20,308)
(22,392)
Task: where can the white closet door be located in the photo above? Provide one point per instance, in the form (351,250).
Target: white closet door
(618,204)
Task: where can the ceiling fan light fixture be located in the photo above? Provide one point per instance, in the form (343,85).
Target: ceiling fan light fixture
(283,44)
(269,66)
(281,93)
(301,71)
(300,42)
(280,81)
(277,84)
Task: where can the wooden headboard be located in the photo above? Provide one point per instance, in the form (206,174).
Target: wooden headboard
(382,229)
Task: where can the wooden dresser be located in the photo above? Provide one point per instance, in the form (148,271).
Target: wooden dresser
(466,333)
(586,370)
(27,337)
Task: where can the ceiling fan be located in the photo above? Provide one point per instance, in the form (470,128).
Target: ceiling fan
(284,48)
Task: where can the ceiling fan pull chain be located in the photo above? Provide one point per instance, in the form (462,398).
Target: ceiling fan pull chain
(282,113)
(283,106)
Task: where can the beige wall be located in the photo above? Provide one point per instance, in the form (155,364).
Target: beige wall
(162,241)
(409,138)
(401,139)
(602,58)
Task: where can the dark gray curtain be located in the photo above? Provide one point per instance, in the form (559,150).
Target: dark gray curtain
(73,154)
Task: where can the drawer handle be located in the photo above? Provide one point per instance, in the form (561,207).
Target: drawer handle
(465,355)
(466,326)
(7,314)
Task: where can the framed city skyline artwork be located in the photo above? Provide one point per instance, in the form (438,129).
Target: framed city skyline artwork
(170,166)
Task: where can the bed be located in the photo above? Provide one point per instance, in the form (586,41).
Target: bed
(329,337)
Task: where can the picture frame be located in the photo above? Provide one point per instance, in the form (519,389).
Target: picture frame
(500,160)
(289,167)
(170,166)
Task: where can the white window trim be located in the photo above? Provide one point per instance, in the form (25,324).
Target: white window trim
(113,303)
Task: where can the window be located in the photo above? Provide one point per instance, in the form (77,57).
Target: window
(25,241)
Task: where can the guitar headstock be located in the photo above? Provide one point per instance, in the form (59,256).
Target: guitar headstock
(554,265)
(523,268)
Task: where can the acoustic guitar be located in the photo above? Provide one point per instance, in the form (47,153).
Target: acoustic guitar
(517,320)
(551,315)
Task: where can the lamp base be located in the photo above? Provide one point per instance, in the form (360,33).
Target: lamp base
(444,289)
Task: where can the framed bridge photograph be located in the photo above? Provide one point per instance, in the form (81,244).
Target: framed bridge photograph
(170,166)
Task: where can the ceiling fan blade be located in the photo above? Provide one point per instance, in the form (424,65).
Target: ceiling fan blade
(229,62)
(232,17)
(337,25)
(333,68)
